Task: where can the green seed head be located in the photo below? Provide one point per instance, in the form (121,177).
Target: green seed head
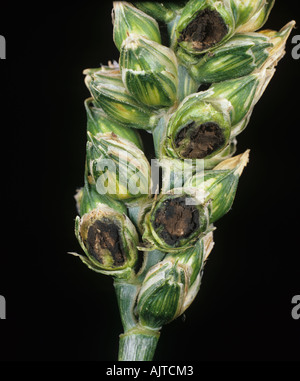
(244,10)
(109,93)
(258,19)
(117,167)
(193,261)
(128,19)
(149,71)
(220,184)
(238,57)
(171,285)
(99,122)
(162,294)
(240,95)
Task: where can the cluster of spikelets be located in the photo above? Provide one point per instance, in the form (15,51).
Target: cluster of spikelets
(193,93)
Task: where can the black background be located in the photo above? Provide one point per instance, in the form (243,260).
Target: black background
(57,309)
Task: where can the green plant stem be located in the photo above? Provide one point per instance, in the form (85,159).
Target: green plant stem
(126,297)
(138,344)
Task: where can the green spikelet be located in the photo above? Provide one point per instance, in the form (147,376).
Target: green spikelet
(163,123)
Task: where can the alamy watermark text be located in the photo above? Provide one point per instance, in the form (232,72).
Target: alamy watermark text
(296,48)
(2,307)
(2,48)
(296,309)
